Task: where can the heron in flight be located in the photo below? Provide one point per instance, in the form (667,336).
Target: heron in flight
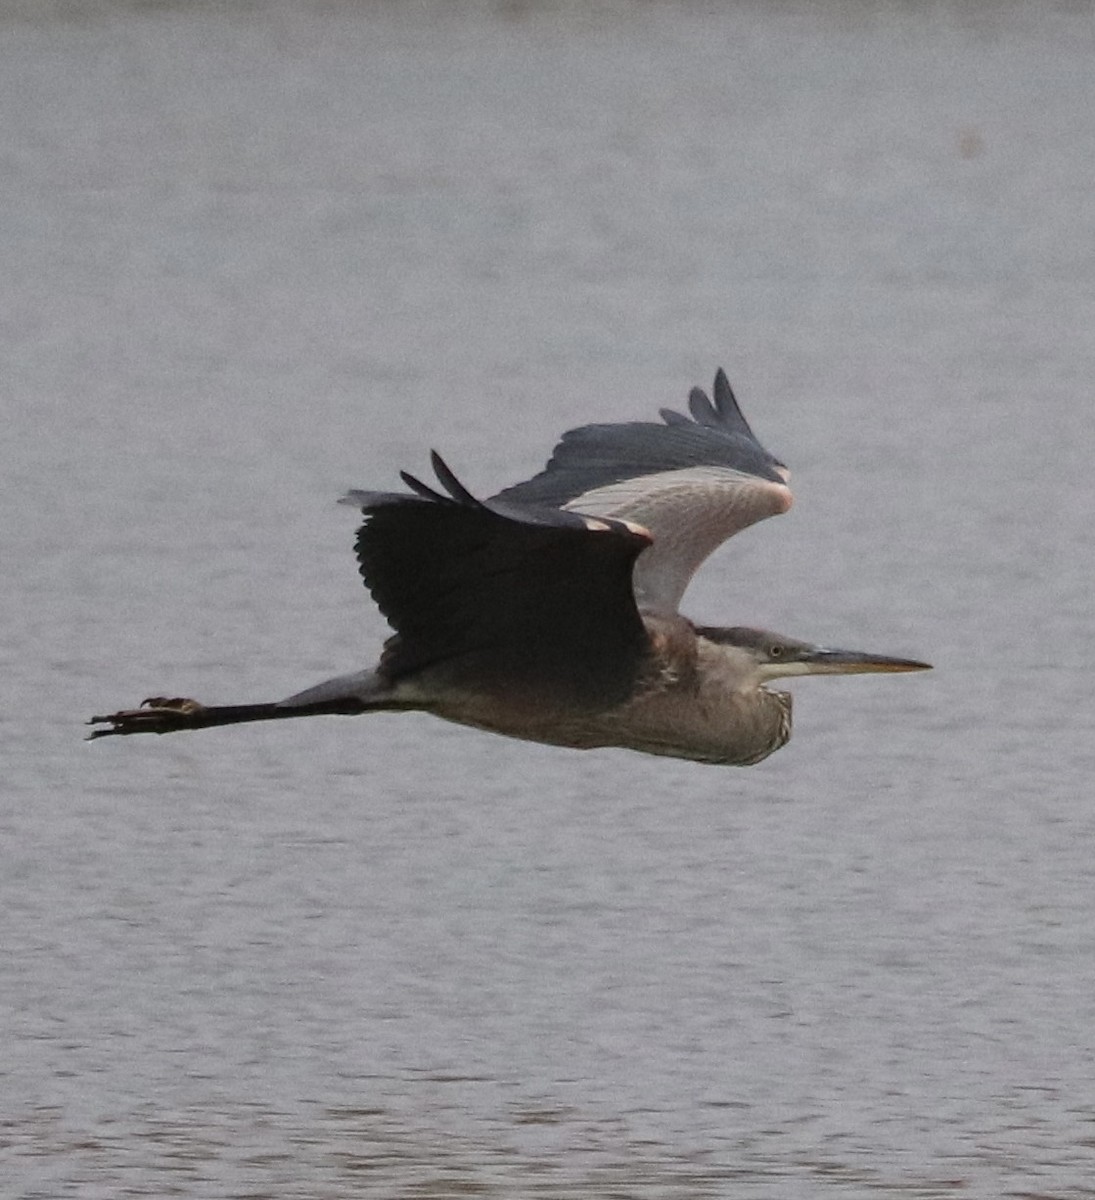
(549,612)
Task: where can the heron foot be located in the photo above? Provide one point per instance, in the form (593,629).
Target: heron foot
(157,714)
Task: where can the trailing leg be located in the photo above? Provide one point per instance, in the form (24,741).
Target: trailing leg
(159,714)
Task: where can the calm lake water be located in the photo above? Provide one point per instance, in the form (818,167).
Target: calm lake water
(256,254)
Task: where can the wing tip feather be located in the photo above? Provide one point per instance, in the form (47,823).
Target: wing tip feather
(447,478)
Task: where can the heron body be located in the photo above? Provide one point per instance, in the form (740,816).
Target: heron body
(688,702)
(550,611)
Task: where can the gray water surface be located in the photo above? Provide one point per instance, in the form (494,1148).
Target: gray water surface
(256,254)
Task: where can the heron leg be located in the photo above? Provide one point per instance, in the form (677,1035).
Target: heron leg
(159,714)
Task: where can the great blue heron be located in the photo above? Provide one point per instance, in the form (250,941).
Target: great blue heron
(549,612)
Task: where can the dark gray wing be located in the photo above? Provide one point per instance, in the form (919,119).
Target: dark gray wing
(597,456)
(508,600)
(692,482)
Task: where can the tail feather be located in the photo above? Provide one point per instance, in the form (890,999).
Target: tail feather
(366,687)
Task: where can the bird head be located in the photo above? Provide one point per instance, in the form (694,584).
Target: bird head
(777,657)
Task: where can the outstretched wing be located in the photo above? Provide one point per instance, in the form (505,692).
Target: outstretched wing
(692,482)
(511,600)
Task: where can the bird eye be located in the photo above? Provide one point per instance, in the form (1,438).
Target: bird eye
(775,650)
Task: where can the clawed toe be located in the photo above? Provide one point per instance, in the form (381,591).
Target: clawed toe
(157,714)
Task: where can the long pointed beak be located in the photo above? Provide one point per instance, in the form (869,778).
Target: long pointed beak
(856,662)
